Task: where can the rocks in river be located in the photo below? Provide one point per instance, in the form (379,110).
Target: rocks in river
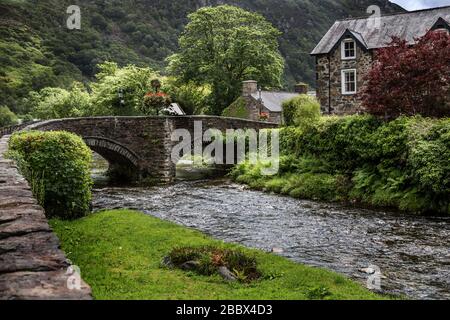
(190,265)
(226,274)
(277,250)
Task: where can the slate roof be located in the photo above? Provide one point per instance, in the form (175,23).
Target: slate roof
(273,100)
(406,26)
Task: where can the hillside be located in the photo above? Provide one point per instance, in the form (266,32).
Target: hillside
(37,50)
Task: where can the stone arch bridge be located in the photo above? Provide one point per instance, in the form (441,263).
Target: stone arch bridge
(141,146)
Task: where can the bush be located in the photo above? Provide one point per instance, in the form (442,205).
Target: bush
(301,111)
(120,91)
(410,80)
(402,163)
(57,165)
(342,142)
(56,103)
(7,117)
(209,259)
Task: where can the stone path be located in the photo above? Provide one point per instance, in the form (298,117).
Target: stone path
(32,266)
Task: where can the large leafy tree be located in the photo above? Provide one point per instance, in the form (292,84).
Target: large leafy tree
(409,80)
(120,91)
(224,45)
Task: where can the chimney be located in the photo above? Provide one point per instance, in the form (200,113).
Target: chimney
(301,88)
(249,87)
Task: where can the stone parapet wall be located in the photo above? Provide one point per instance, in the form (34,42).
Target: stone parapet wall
(32,266)
(141,143)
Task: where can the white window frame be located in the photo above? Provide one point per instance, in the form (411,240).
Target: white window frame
(344,83)
(343,43)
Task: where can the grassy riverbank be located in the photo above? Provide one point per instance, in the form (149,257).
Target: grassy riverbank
(119,253)
(401,164)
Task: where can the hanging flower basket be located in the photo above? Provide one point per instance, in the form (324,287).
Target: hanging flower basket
(264,116)
(155,102)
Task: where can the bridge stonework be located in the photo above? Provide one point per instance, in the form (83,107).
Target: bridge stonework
(141,145)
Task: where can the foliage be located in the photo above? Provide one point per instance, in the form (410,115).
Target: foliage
(154,103)
(301,111)
(238,109)
(7,117)
(131,81)
(193,99)
(55,103)
(38,51)
(410,80)
(231,45)
(57,164)
(210,258)
(119,253)
(402,163)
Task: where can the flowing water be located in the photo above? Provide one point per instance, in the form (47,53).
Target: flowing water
(412,252)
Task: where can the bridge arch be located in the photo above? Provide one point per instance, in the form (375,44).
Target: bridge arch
(124,164)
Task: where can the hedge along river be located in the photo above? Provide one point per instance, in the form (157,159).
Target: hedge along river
(412,252)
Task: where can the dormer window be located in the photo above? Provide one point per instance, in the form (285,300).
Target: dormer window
(348,49)
(441,26)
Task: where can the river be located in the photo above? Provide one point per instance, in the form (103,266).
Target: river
(412,252)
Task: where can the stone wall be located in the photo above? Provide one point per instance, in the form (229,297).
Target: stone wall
(329,81)
(32,266)
(254,109)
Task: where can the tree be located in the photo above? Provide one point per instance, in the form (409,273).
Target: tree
(410,79)
(7,117)
(223,46)
(55,103)
(120,91)
(192,98)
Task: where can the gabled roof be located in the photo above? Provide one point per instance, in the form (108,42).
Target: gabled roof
(408,26)
(273,100)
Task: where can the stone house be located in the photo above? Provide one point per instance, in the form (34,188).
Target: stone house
(346,52)
(259,103)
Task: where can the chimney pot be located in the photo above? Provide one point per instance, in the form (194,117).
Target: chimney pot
(301,88)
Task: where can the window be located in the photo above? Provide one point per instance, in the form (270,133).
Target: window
(349,81)
(348,49)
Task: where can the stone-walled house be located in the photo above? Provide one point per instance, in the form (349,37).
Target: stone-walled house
(346,52)
(256,104)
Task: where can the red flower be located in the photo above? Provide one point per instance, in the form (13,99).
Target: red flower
(157,94)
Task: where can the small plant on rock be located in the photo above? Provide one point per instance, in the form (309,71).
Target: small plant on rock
(230,264)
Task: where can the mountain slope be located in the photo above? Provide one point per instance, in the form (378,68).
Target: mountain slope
(38,50)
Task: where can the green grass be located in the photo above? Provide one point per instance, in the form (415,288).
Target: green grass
(119,253)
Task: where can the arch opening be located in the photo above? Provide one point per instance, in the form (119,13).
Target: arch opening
(123,164)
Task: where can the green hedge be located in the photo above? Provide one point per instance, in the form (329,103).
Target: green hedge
(302,111)
(404,163)
(57,165)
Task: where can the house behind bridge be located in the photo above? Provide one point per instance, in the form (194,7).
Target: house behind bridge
(256,104)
